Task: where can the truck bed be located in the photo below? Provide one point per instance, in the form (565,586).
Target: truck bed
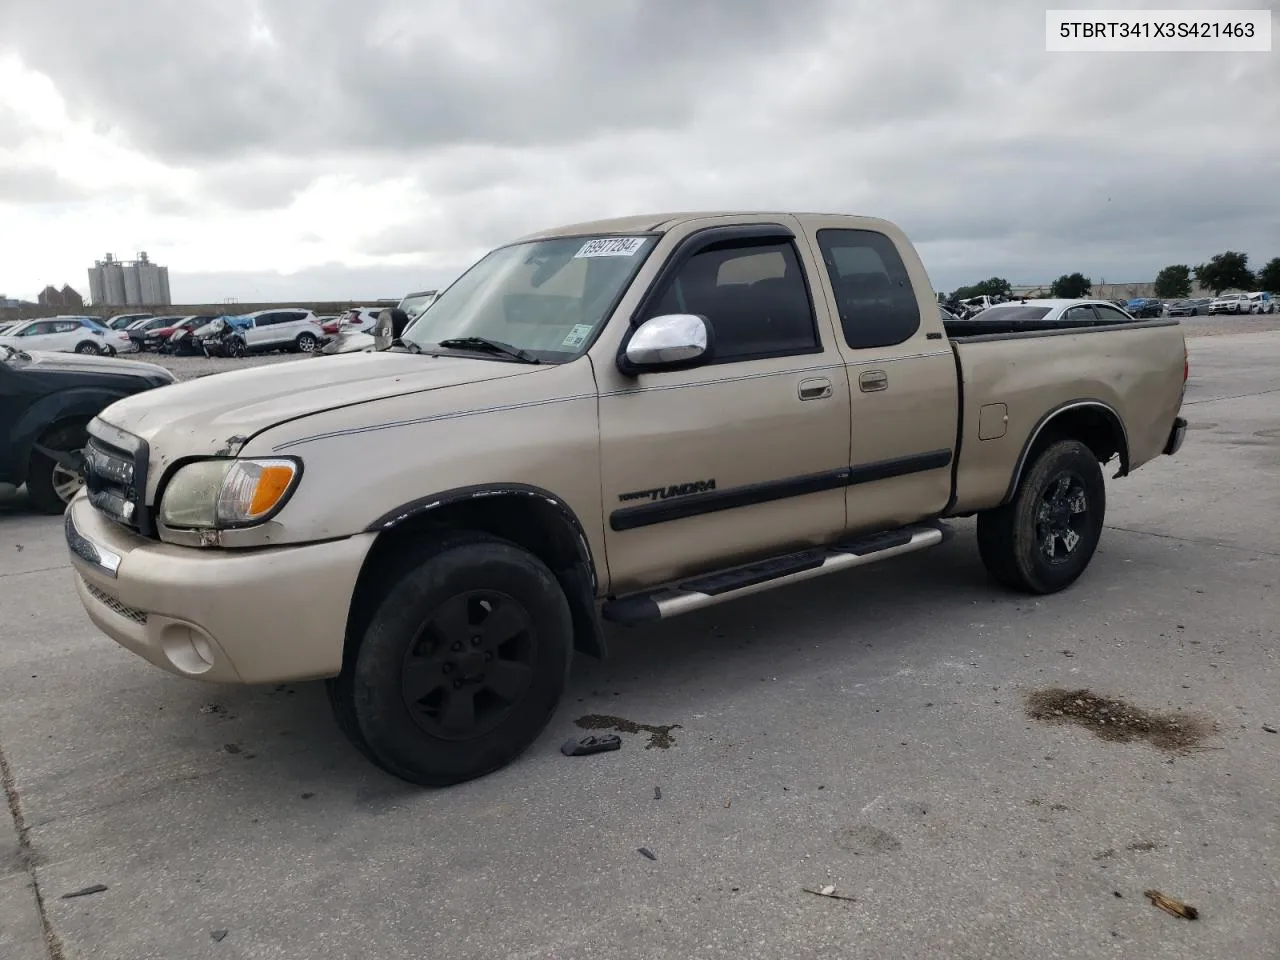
(1014,376)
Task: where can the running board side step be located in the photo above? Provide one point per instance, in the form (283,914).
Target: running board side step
(712,588)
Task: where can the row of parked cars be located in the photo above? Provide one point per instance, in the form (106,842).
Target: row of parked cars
(1229,303)
(298,330)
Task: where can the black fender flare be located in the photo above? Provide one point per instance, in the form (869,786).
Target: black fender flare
(580,581)
(1117,423)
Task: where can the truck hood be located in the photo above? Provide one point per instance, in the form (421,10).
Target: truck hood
(218,412)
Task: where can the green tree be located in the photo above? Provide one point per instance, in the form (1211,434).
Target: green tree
(1269,276)
(994,287)
(1174,282)
(1225,271)
(1071,286)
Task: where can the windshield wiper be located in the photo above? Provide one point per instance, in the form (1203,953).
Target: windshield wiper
(485,345)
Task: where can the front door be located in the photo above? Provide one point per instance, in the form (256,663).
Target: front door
(261,331)
(742,457)
(902,374)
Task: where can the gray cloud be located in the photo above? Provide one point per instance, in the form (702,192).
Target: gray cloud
(29,184)
(950,119)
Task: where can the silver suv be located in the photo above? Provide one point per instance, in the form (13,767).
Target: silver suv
(282,330)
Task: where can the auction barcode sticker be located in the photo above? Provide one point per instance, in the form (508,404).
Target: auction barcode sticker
(611,247)
(1158,31)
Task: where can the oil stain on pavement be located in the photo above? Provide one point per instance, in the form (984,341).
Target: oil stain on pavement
(659,736)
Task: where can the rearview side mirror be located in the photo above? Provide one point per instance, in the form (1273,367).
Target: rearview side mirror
(670,342)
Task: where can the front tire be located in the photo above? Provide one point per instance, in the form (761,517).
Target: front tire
(462,665)
(235,348)
(50,484)
(1042,541)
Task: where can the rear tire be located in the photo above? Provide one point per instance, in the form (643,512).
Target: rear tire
(50,485)
(1042,541)
(462,664)
(235,348)
(88,348)
(307,343)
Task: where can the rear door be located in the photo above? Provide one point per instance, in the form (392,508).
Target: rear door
(902,372)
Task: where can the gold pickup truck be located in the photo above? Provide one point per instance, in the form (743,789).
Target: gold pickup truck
(614,421)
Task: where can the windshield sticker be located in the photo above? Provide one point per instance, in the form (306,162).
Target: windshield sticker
(611,247)
(577,336)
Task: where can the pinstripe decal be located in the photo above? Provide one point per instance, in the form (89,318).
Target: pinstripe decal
(452,415)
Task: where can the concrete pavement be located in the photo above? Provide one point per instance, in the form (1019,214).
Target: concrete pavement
(865,731)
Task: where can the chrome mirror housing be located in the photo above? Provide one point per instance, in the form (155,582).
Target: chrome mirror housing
(673,339)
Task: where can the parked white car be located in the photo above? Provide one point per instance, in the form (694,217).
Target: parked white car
(1262,302)
(1230,303)
(1044,313)
(282,330)
(67,335)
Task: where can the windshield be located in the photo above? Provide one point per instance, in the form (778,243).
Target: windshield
(546,297)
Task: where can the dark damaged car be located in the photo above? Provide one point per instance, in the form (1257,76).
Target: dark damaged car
(46,400)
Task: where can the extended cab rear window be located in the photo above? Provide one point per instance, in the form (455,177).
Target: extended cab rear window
(877,304)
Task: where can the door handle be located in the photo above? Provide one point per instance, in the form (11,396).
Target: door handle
(815,389)
(873,380)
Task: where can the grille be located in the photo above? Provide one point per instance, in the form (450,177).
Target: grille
(137,616)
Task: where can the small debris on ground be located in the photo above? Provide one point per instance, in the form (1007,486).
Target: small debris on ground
(1269,729)
(657,793)
(659,736)
(1115,720)
(231,747)
(646,852)
(585,746)
(1143,846)
(213,708)
(307,796)
(87,891)
(218,935)
(1171,905)
(829,892)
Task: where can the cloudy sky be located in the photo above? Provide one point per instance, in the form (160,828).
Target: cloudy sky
(309,149)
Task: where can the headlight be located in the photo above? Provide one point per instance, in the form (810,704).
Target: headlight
(217,494)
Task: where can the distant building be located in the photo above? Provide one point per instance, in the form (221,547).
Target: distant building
(129,283)
(51,296)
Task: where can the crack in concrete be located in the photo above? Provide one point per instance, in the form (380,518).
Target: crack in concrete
(24,573)
(1197,541)
(27,854)
(1238,396)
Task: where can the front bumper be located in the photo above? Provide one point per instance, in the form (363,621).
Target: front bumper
(1176,436)
(244,616)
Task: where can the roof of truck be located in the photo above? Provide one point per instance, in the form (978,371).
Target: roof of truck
(662,222)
